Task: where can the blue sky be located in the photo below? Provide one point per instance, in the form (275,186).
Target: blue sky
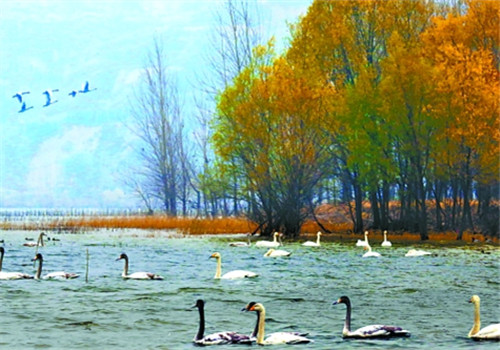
(71,153)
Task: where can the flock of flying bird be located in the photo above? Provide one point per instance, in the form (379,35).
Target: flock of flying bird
(491,332)
(49,95)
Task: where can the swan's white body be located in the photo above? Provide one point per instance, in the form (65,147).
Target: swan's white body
(276,253)
(372,331)
(217,338)
(241,244)
(416,252)
(273,338)
(38,243)
(10,275)
(313,244)
(53,275)
(386,243)
(369,253)
(363,243)
(269,244)
(235,274)
(491,332)
(136,275)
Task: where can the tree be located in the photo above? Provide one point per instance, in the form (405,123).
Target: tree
(156,112)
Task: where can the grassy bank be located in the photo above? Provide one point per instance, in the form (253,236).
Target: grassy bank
(197,226)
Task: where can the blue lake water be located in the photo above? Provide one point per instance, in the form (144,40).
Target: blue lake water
(427,295)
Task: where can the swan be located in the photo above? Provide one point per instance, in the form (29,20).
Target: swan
(269,244)
(369,253)
(492,332)
(24,108)
(386,243)
(372,331)
(73,93)
(273,338)
(416,252)
(313,244)
(52,275)
(363,243)
(10,275)
(48,95)
(38,243)
(230,275)
(19,95)
(274,253)
(218,337)
(85,88)
(136,275)
(241,244)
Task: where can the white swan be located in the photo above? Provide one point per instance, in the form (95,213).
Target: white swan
(269,244)
(386,243)
(38,243)
(363,243)
(19,95)
(52,275)
(85,88)
(416,252)
(241,244)
(275,253)
(10,275)
(217,338)
(273,338)
(136,275)
(372,331)
(313,244)
(492,332)
(230,275)
(24,108)
(369,253)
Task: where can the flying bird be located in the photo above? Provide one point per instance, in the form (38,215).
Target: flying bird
(85,88)
(24,108)
(48,94)
(73,93)
(19,96)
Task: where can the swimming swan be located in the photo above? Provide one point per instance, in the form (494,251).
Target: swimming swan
(363,243)
(52,275)
(230,275)
(136,275)
(10,275)
(416,252)
(313,244)
(492,332)
(275,253)
(38,243)
(273,338)
(270,244)
(372,331)
(217,338)
(369,253)
(386,243)
(241,244)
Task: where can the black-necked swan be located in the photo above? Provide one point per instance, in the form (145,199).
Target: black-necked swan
(276,253)
(48,95)
(363,243)
(369,253)
(38,243)
(136,275)
(313,244)
(10,275)
(52,275)
(19,95)
(372,331)
(416,252)
(242,244)
(232,274)
(386,243)
(270,244)
(217,338)
(492,332)
(273,338)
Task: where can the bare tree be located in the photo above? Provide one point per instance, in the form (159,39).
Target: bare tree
(157,115)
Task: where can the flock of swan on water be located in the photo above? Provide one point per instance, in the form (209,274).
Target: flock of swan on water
(49,96)
(491,332)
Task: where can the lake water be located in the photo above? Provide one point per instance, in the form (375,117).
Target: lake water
(427,295)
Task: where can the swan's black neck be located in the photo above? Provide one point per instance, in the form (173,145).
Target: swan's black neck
(256,329)
(347,324)
(1,258)
(201,328)
(39,270)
